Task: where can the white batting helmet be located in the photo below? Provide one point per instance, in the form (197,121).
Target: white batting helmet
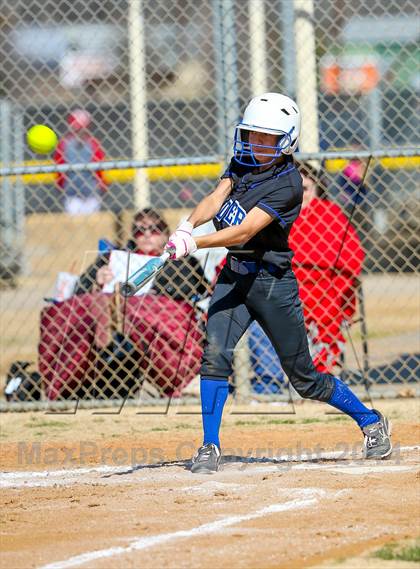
(272,113)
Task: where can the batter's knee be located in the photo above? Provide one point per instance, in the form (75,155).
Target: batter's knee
(309,383)
(217,359)
(319,390)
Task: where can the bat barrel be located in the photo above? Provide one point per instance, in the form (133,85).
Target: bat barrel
(141,277)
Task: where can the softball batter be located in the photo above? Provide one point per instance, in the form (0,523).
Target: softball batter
(253,209)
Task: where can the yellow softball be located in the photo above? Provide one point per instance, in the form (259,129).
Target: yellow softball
(41,139)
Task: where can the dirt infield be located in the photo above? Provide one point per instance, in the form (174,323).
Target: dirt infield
(101,490)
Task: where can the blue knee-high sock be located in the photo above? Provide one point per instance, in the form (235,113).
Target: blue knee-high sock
(344,399)
(214,393)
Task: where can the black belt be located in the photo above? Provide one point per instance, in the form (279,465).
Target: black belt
(251,267)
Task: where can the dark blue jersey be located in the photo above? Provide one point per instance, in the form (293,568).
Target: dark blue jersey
(278,191)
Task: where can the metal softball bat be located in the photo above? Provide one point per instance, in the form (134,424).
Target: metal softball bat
(143,275)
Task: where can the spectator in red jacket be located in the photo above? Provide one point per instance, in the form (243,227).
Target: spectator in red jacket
(328,259)
(82,189)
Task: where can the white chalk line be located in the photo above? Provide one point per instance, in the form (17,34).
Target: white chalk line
(372,469)
(42,478)
(305,497)
(65,477)
(342,469)
(52,473)
(339,455)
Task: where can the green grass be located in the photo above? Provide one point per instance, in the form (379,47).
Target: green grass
(392,552)
(264,421)
(281,421)
(338,418)
(184,426)
(36,423)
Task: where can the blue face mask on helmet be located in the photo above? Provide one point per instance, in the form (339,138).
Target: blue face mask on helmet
(245,153)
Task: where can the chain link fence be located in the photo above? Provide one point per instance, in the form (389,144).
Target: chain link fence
(144,97)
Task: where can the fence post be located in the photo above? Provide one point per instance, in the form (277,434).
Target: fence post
(258,51)
(288,48)
(11,196)
(226,71)
(138,96)
(306,83)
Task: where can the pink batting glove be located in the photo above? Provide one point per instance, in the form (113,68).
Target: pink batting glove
(180,246)
(184,228)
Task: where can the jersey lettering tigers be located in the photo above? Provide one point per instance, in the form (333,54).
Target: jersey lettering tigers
(231,213)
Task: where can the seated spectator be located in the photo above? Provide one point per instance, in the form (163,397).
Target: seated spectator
(328,259)
(161,326)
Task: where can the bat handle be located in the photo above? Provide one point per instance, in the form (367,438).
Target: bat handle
(128,289)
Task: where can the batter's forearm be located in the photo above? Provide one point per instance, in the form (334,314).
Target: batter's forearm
(224,238)
(254,222)
(211,204)
(204,211)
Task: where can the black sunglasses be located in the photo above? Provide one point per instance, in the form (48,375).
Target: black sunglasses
(153,228)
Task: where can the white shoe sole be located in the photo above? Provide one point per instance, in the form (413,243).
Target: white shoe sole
(387,454)
(204,470)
